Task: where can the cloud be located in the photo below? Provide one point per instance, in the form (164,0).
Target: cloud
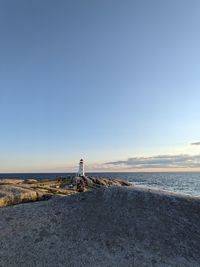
(160,161)
(195,144)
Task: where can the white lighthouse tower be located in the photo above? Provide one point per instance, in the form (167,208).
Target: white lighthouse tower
(81,171)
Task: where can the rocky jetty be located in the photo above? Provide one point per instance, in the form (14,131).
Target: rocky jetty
(110,226)
(16,191)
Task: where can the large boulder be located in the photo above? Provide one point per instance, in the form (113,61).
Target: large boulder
(11,195)
(115,226)
(102,181)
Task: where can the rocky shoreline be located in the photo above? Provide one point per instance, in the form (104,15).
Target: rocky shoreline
(112,226)
(16,191)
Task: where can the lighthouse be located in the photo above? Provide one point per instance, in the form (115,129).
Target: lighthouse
(81,171)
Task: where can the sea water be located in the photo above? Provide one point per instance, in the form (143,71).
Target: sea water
(184,182)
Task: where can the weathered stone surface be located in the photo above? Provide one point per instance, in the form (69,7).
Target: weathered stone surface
(11,181)
(10,194)
(120,226)
(15,191)
(102,181)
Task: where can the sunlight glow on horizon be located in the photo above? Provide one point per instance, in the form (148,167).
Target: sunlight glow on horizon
(108,81)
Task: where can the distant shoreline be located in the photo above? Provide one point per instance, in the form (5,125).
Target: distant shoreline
(183,182)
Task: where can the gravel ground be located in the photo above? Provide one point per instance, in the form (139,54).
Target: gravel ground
(115,226)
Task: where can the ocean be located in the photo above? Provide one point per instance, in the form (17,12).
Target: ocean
(184,182)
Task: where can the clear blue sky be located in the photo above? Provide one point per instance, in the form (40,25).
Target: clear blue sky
(104,80)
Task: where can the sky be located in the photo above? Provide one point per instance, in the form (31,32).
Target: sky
(114,82)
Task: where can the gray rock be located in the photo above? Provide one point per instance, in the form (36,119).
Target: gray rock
(120,226)
(102,181)
(10,194)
